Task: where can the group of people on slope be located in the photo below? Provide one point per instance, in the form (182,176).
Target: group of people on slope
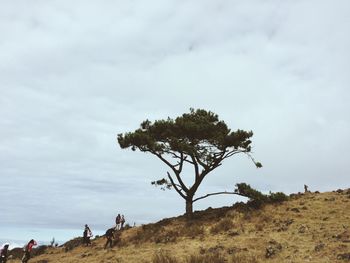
(119,222)
(112,234)
(27,251)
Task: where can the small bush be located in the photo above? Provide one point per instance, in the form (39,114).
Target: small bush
(258,199)
(277,197)
(163,257)
(247,191)
(223,225)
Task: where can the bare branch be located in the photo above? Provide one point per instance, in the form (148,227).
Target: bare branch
(195,164)
(176,186)
(183,186)
(218,193)
(233,152)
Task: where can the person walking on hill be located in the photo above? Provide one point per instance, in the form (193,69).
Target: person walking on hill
(109,235)
(122,222)
(27,250)
(87,234)
(117,222)
(3,252)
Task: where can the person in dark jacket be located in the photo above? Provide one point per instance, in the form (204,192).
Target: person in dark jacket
(109,236)
(27,250)
(87,234)
(3,252)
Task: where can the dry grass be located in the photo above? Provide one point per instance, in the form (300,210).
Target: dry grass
(223,225)
(211,258)
(164,257)
(244,258)
(308,228)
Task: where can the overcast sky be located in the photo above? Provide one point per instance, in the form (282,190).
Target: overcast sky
(74,74)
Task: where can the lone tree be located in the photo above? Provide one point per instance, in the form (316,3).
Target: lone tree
(198,139)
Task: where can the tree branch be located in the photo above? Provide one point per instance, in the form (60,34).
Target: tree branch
(175,186)
(195,164)
(218,193)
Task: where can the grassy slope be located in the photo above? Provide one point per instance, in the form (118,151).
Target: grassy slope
(308,228)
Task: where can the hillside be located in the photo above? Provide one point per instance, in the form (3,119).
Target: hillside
(311,227)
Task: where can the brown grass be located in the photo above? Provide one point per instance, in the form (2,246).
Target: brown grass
(163,257)
(244,258)
(310,227)
(211,258)
(223,225)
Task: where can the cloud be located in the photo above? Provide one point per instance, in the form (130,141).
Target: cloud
(74,75)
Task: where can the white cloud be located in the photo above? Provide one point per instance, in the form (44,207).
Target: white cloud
(74,75)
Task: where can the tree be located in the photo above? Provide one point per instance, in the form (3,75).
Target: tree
(198,139)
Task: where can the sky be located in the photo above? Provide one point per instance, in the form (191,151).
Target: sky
(74,74)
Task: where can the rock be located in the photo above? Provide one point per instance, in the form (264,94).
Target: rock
(303,228)
(233,233)
(86,255)
(273,248)
(215,249)
(345,256)
(289,221)
(319,247)
(202,250)
(343,237)
(234,250)
(296,210)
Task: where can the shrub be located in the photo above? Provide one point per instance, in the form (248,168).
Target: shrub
(247,191)
(277,197)
(256,198)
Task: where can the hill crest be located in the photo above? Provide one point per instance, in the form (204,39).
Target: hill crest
(310,227)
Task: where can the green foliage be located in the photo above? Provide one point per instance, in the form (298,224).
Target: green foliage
(256,198)
(247,191)
(198,139)
(199,132)
(164,183)
(277,197)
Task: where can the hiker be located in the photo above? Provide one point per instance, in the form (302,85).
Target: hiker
(117,222)
(109,235)
(86,235)
(3,252)
(122,222)
(27,250)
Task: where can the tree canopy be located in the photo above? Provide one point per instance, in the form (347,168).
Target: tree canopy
(197,138)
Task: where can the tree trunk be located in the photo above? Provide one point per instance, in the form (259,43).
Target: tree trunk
(189,207)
